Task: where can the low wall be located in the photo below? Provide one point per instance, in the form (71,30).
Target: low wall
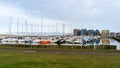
(92,47)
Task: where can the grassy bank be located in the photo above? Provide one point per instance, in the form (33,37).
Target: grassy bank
(45,60)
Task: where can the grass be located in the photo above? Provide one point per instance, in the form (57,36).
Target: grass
(18,59)
(45,60)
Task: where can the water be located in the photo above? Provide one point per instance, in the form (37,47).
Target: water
(110,41)
(105,41)
(114,42)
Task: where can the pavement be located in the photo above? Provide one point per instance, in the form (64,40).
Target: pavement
(108,52)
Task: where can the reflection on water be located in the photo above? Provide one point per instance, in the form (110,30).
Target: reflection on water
(114,42)
(105,41)
(110,41)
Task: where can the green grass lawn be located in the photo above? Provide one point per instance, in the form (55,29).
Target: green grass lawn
(45,60)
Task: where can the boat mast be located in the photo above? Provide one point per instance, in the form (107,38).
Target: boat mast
(56,29)
(26,26)
(31,29)
(37,29)
(82,31)
(10,25)
(34,29)
(22,29)
(41,26)
(71,30)
(63,30)
(17,27)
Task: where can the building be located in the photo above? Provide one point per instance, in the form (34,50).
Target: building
(75,32)
(78,32)
(83,32)
(105,33)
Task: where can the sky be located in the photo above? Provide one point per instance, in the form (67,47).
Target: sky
(80,14)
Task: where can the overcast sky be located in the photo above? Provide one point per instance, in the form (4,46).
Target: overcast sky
(89,14)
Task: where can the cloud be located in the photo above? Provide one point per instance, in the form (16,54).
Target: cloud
(10,11)
(104,13)
(18,15)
